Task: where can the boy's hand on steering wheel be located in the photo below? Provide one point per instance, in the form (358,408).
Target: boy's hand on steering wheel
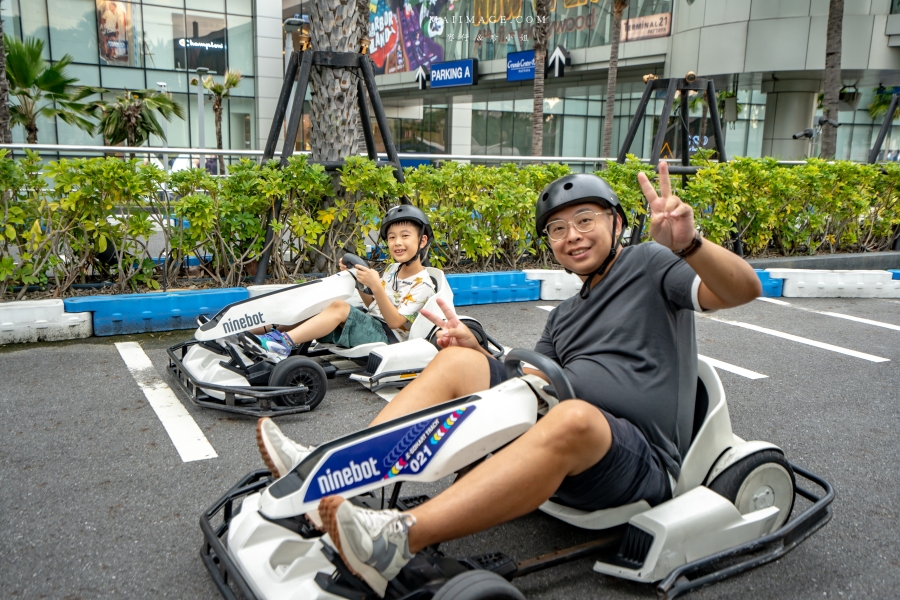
(452,331)
(341,265)
(672,221)
(368,277)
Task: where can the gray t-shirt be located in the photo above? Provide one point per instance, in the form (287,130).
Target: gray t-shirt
(630,348)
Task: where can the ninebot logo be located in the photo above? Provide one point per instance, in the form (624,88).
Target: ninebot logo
(233,325)
(341,478)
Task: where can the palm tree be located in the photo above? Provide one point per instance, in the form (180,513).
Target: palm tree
(619,7)
(881,101)
(541,31)
(43,90)
(334,26)
(5,133)
(219,91)
(132,119)
(832,76)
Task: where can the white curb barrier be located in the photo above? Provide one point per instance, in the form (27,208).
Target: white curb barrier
(813,283)
(41,321)
(555,284)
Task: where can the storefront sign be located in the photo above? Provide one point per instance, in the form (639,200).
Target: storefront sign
(645,28)
(520,66)
(191,44)
(453,73)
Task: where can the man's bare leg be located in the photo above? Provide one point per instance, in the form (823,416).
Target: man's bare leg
(573,437)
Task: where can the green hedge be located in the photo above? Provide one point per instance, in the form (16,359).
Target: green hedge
(82,220)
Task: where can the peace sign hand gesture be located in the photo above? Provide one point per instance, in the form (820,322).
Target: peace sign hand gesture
(452,331)
(672,221)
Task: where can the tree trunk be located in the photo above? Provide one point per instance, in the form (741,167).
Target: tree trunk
(618,7)
(31,130)
(217,114)
(334,26)
(832,76)
(5,133)
(541,29)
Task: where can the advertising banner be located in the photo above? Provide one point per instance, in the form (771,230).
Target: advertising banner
(401,34)
(114,32)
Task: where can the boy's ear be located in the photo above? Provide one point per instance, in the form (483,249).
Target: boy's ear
(423,241)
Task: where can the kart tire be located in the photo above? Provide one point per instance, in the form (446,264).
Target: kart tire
(299,370)
(758,481)
(478,585)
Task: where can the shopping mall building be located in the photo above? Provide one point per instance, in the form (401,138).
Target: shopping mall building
(770,54)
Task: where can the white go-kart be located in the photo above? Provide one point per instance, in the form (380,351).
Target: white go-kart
(225,367)
(731,509)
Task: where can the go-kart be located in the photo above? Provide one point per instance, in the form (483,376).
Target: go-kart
(225,367)
(730,511)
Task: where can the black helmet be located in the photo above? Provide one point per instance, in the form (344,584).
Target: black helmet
(408,212)
(575,189)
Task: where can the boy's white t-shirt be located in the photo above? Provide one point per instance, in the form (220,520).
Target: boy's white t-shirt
(409,297)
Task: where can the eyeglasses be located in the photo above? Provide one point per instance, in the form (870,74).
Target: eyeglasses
(584,222)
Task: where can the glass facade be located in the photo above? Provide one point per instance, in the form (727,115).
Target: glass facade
(119,45)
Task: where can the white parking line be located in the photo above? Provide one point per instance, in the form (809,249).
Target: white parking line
(733,368)
(547,308)
(184,432)
(387,393)
(834,314)
(803,340)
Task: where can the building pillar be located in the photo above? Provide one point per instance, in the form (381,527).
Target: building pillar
(461,125)
(790,108)
(269,68)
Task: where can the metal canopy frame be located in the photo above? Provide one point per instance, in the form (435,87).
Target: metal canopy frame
(299,66)
(885,129)
(672,87)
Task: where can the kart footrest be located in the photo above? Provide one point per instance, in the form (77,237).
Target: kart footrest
(496,562)
(410,502)
(343,582)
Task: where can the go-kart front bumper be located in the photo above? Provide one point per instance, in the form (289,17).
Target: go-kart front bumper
(254,401)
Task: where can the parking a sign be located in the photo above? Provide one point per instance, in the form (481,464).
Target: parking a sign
(454,73)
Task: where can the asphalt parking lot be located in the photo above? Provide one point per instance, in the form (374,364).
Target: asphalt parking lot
(97,502)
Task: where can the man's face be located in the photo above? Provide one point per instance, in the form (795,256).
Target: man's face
(578,251)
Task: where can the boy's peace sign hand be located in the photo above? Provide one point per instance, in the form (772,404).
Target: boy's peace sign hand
(672,221)
(452,331)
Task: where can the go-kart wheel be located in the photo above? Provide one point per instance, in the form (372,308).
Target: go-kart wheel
(478,585)
(759,481)
(299,370)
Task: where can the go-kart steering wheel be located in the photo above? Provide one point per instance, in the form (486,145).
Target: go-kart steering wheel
(352,260)
(553,371)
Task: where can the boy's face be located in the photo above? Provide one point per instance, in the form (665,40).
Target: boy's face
(579,251)
(403,241)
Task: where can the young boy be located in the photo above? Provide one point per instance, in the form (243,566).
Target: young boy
(397,296)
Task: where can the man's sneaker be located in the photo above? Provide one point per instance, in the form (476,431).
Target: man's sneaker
(278,451)
(373,543)
(277,343)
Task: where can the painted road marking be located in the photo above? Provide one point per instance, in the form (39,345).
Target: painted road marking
(803,340)
(834,314)
(181,427)
(733,368)
(387,393)
(547,308)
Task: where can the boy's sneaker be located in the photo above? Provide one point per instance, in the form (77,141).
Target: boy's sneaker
(277,343)
(373,543)
(278,451)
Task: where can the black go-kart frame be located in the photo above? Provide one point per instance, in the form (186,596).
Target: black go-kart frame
(430,569)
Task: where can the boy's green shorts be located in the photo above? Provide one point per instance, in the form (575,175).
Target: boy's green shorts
(359,329)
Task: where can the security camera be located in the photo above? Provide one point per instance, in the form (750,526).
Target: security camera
(161,84)
(806,133)
(822,120)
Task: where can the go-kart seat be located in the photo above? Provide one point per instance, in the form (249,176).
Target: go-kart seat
(421,327)
(702,453)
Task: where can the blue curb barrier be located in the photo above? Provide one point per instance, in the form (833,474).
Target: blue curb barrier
(492,288)
(771,288)
(155,311)
(895,273)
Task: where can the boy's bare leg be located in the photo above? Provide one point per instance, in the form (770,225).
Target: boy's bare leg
(322,324)
(454,372)
(570,439)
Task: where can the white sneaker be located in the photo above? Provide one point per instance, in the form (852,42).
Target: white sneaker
(278,451)
(373,543)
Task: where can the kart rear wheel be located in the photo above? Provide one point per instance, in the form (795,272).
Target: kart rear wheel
(299,370)
(478,585)
(759,481)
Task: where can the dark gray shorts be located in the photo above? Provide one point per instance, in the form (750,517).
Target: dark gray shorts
(630,471)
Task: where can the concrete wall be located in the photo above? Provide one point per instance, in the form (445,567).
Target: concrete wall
(713,37)
(269,67)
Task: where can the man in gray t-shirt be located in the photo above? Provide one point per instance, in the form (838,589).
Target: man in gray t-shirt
(626,342)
